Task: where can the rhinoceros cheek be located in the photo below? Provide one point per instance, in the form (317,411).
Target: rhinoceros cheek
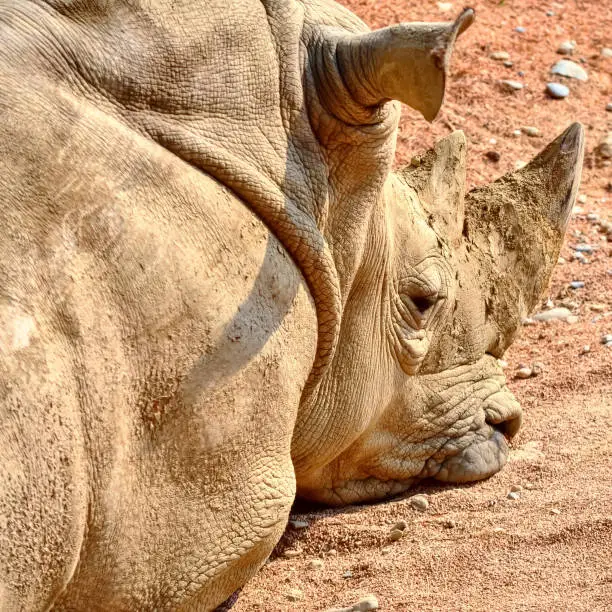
(479,460)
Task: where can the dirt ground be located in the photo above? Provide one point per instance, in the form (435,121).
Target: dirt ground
(474,548)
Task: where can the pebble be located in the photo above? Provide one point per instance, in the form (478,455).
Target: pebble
(385,551)
(577,285)
(585,349)
(516,133)
(609,106)
(348,574)
(516,488)
(363,605)
(572,319)
(419,502)
(538,367)
(570,69)
(502,364)
(500,56)
(521,73)
(508,64)
(582,198)
(444,7)
(554,314)
(555,511)
(401,525)
(511,85)
(332,552)
(528,321)
(606,52)
(514,495)
(316,564)
(493,156)
(579,257)
(598,307)
(557,91)
(291,553)
(520,29)
(524,372)
(592,217)
(519,164)
(396,534)
(531,131)
(566,48)
(583,248)
(298,524)
(604,148)
(550,13)
(295,595)
(606,339)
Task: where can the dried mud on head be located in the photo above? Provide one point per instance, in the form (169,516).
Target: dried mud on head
(537,535)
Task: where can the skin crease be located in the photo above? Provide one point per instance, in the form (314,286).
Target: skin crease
(215,292)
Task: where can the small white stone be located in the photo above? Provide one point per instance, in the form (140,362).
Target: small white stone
(524,373)
(298,524)
(555,511)
(517,133)
(295,595)
(586,349)
(531,131)
(514,495)
(316,564)
(291,553)
(444,7)
(500,55)
(419,502)
(519,164)
(502,364)
(582,198)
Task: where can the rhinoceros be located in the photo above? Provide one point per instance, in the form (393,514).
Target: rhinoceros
(216,292)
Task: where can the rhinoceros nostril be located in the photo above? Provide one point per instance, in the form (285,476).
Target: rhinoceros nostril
(509,427)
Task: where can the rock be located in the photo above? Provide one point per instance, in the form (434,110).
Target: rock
(554,314)
(508,64)
(555,511)
(592,218)
(582,198)
(572,319)
(566,48)
(583,248)
(524,372)
(578,256)
(598,307)
(570,69)
(332,552)
(500,56)
(517,133)
(604,148)
(502,364)
(606,52)
(494,156)
(531,131)
(298,524)
(606,339)
(348,574)
(609,106)
(385,551)
(363,605)
(537,368)
(419,502)
(528,321)
(401,525)
(577,285)
(585,349)
(316,564)
(291,553)
(295,595)
(396,534)
(444,7)
(557,91)
(516,488)
(511,85)
(514,495)
(519,163)
(550,13)
(520,29)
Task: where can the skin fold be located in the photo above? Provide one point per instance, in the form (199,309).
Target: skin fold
(217,295)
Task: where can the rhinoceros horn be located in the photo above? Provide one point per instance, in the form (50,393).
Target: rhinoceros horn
(518,222)
(405,62)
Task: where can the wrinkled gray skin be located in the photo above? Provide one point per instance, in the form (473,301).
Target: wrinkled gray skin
(216,292)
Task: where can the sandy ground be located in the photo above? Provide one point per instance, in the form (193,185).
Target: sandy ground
(473,548)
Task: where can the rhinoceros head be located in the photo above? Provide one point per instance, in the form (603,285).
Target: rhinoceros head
(434,292)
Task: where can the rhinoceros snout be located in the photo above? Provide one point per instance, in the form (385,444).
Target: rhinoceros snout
(504,413)
(509,427)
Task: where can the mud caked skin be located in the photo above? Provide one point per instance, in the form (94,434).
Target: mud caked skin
(215,292)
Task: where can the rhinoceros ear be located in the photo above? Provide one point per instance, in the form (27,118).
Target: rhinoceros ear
(406,62)
(438,177)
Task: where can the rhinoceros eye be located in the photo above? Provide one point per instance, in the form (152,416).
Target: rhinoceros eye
(424,303)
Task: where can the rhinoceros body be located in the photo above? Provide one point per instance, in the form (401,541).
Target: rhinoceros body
(215,292)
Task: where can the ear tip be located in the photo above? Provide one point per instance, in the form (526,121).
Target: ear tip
(465,20)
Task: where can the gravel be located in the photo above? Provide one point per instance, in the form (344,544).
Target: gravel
(557,91)
(419,502)
(570,69)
